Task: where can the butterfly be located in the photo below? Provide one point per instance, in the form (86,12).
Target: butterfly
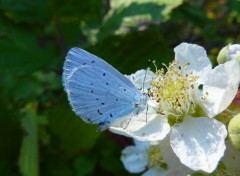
(97,92)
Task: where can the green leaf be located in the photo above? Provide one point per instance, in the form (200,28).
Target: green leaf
(132,51)
(25,10)
(110,152)
(10,137)
(25,66)
(84,165)
(132,15)
(29,156)
(21,53)
(50,80)
(74,134)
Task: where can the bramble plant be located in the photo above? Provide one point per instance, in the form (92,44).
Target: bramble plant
(189,95)
(41,135)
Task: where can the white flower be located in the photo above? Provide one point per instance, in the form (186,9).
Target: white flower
(234,51)
(198,140)
(189,94)
(228,53)
(150,127)
(153,160)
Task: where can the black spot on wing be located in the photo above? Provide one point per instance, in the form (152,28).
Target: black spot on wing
(89,120)
(99,112)
(103,125)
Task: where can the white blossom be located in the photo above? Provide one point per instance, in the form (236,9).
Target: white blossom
(153,160)
(234,51)
(186,97)
(229,52)
(143,127)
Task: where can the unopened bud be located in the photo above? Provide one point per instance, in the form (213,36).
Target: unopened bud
(234,131)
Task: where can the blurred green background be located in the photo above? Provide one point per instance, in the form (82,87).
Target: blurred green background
(39,133)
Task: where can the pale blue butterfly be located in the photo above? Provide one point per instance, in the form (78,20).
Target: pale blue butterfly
(97,92)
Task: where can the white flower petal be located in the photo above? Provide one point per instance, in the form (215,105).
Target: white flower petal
(196,56)
(222,85)
(231,159)
(138,79)
(155,129)
(141,144)
(234,51)
(199,142)
(175,167)
(155,172)
(134,159)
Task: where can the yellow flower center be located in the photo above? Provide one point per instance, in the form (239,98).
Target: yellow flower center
(155,158)
(174,89)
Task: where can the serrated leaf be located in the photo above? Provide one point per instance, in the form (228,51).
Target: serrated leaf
(125,16)
(28,160)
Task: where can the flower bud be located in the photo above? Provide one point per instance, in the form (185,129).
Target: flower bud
(234,131)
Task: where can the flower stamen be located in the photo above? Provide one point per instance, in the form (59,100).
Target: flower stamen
(174,89)
(155,158)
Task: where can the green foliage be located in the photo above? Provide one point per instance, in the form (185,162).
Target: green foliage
(88,163)
(70,130)
(29,156)
(39,133)
(131,15)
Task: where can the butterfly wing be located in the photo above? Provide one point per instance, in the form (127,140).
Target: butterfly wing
(97,92)
(77,57)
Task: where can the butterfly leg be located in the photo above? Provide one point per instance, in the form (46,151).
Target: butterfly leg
(146,112)
(128,122)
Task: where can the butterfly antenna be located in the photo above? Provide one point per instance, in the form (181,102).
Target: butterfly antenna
(144,79)
(149,61)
